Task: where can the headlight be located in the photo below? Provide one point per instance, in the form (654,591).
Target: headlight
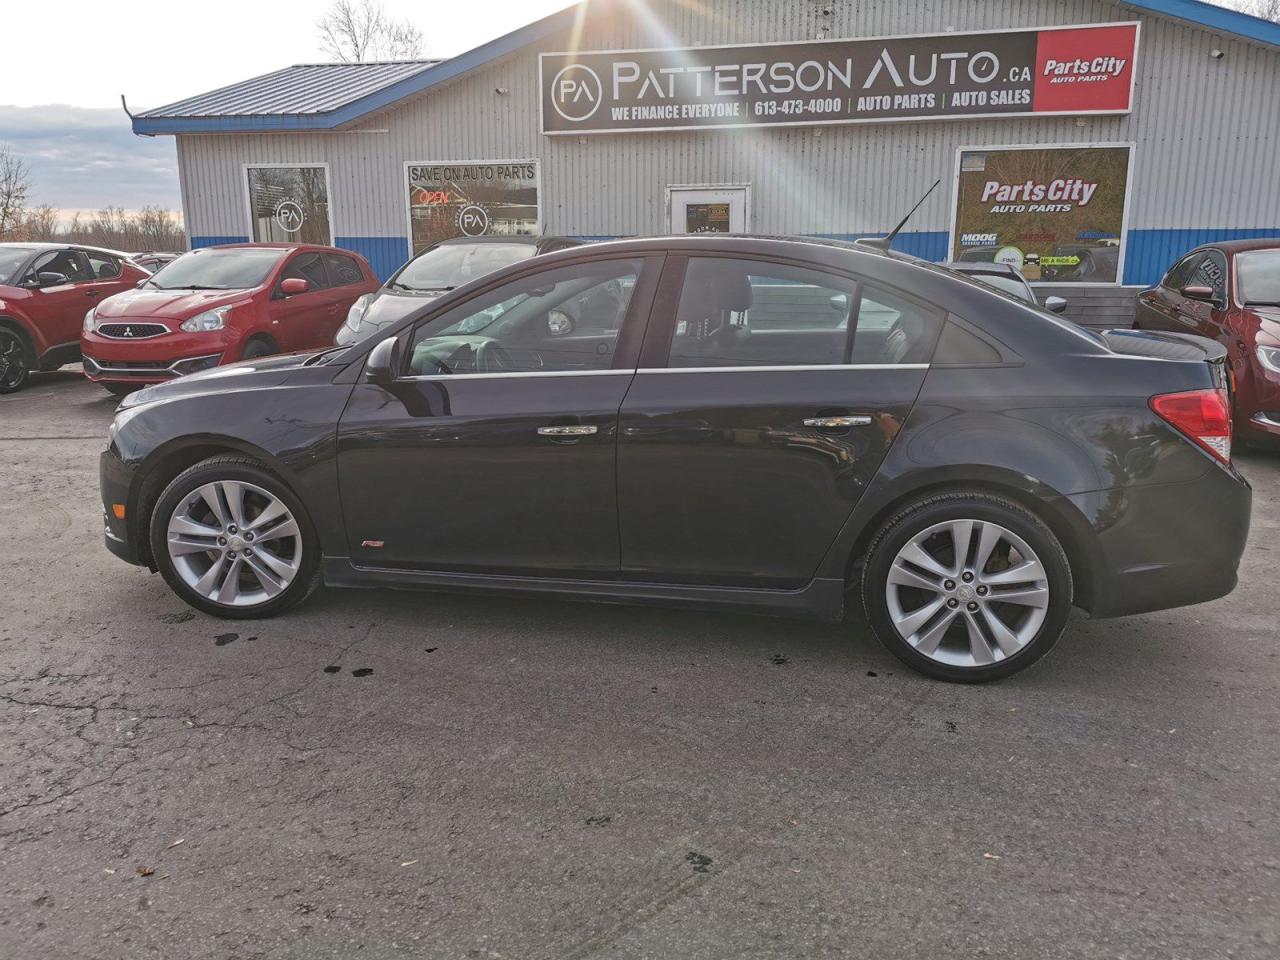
(1269,357)
(355,316)
(89,319)
(207,321)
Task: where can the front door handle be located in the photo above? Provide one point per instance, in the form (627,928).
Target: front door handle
(575,430)
(830,423)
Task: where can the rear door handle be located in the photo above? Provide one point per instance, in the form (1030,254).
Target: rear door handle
(575,430)
(828,423)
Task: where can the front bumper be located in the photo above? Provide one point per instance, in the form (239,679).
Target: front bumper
(145,371)
(1167,545)
(115,480)
(153,359)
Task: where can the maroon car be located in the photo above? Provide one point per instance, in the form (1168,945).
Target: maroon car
(45,290)
(1229,292)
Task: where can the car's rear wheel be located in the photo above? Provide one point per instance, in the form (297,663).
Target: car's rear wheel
(232,540)
(15,364)
(967,587)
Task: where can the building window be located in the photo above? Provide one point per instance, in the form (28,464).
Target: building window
(471,200)
(289,204)
(1057,213)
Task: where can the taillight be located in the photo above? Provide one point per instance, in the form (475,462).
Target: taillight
(1203,415)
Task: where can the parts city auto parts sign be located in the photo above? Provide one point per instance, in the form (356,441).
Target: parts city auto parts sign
(1014,73)
(1057,213)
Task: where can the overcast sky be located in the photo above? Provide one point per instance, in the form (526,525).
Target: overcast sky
(60,99)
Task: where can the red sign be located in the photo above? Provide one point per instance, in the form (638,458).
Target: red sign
(1086,70)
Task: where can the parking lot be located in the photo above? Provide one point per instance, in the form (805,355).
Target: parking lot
(414,775)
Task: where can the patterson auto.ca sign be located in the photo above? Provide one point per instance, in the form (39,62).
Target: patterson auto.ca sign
(1010,73)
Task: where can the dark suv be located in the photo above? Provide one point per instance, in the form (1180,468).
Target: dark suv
(775,425)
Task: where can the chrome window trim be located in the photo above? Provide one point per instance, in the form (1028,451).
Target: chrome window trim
(630,372)
(788,368)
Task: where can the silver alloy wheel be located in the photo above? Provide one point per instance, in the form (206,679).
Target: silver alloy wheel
(967,593)
(234,543)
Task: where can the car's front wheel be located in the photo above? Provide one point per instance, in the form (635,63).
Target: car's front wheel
(15,365)
(967,587)
(233,540)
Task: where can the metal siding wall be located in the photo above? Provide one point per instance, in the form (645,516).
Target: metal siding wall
(1206,132)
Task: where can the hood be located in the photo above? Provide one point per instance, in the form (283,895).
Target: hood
(1268,322)
(243,375)
(152,304)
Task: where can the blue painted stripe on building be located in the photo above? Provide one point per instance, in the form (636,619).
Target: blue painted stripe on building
(1149,253)
(385,254)
(197,242)
(925,244)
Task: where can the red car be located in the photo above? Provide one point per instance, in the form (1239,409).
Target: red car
(218,305)
(45,289)
(1229,292)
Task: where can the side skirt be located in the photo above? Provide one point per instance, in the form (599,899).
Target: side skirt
(821,599)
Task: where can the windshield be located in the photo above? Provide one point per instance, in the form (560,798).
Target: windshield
(451,265)
(11,258)
(237,269)
(1259,277)
(1007,284)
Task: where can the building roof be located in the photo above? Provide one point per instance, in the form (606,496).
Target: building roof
(307,89)
(329,95)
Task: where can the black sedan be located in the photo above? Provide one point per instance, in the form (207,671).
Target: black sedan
(440,268)
(1006,278)
(774,425)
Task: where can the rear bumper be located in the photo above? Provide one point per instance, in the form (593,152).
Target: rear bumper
(1167,545)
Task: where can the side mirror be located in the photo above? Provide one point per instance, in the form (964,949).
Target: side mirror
(383,362)
(1199,292)
(48,278)
(293,286)
(1055,304)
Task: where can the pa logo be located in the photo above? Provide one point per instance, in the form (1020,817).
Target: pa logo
(473,220)
(289,216)
(576,92)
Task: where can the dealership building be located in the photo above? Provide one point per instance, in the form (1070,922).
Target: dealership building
(1088,142)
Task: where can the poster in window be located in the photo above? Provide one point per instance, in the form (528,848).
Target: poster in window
(289,205)
(1055,213)
(472,200)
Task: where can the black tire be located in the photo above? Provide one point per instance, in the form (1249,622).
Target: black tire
(976,505)
(15,360)
(258,347)
(244,470)
(121,389)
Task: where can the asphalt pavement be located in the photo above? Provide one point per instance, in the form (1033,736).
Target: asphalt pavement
(404,775)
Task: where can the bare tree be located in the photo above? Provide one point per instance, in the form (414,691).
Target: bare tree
(358,31)
(1266,9)
(40,223)
(14,183)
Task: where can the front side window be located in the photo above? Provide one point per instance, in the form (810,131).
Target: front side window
(1176,278)
(1211,272)
(236,268)
(562,320)
(289,205)
(70,264)
(1259,277)
(308,267)
(747,313)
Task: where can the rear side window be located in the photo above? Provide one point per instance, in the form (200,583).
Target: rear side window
(309,267)
(104,267)
(751,313)
(342,270)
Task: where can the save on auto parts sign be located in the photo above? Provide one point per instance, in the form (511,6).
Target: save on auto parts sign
(1057,213)
(1010,73)
(498,198)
